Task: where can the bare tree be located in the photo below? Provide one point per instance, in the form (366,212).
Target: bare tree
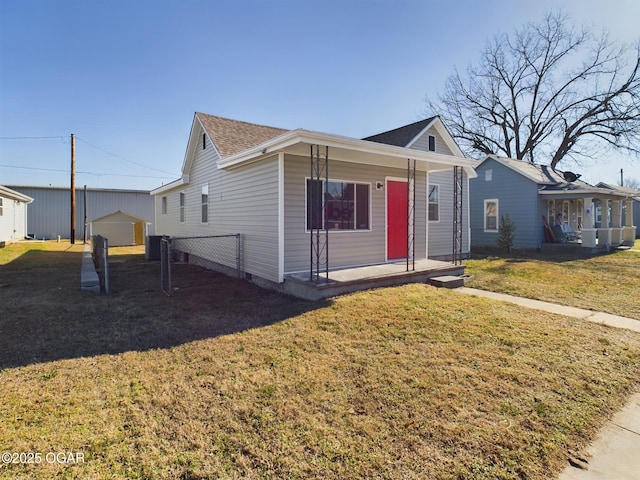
(546,93)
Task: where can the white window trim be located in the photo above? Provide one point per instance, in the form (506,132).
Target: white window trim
(435,146)
(204,191)
(336,230)
(163,205)
(484,214)
(182,209)
(429,203)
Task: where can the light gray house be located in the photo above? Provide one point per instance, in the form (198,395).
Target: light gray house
(535,196)
(50,214)
(296,194)
(13,215)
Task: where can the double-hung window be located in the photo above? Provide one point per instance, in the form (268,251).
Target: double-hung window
(205,204)
(182,205)
(347,205)
(491,215)
(434,203)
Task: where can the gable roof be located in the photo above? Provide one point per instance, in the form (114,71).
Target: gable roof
(631,192)
(402,136)
(234,136)
(407,135)
(540,174)
(550,180)
(239,143)
(120,213)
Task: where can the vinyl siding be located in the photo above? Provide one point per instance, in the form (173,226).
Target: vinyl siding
(422,143)
(49,214)
(517,197)
(243,200)
(12,220)
(346,248)
(441,232)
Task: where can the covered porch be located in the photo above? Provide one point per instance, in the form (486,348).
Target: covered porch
(346,280)
(594,218)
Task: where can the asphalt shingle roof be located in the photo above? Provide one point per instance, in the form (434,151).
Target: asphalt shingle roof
(400,137)
(233,136)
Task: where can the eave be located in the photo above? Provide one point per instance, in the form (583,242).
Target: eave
(347,149)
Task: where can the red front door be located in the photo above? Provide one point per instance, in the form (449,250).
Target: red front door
(397,213)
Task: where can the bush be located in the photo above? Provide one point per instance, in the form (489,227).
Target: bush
(506,233)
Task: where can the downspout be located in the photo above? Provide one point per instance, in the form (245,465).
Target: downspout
(281,229)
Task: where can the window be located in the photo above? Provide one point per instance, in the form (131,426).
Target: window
(182,207)
(432,143)
(491,215)
(205,204)
(434,203)
(204,141)
(488,175)
(347,205)
(0,207)
(164,205)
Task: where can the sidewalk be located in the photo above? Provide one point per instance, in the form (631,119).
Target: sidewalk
(615,452)
(589,315)
(613,455)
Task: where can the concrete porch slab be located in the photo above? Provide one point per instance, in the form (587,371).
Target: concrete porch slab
(349,280)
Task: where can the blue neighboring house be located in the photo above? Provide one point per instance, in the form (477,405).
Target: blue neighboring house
(536,196)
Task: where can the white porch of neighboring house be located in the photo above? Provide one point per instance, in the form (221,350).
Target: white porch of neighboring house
(597,218)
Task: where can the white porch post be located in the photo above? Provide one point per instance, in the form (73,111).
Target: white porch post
(588,222)
(616,222)
(604,232)
(629,230)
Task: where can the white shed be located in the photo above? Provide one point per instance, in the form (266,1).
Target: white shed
(121,229)
(13,215)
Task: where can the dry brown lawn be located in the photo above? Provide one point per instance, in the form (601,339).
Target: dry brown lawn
(608,283)
(225,380)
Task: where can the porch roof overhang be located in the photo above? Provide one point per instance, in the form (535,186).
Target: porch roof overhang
(571,192)
(347,149)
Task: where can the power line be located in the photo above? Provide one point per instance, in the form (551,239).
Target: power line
(63,138)
(122,158)
(87,173)
(30,138)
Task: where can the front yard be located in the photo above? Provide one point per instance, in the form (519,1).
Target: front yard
(226,380)
(608,283)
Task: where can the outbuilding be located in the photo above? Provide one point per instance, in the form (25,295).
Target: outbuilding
(121,229)
(13,215)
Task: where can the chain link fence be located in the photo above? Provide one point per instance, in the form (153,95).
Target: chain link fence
(216,252)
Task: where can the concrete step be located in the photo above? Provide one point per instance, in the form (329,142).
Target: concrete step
(447,281)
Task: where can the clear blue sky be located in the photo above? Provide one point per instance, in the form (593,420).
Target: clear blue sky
(127,76)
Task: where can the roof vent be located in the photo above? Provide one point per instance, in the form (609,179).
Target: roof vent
(570,176)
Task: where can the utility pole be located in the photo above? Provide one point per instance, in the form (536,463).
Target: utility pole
(72,235)
(622,177)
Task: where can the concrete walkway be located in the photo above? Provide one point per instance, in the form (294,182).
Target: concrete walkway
(589,315)
(615,452)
